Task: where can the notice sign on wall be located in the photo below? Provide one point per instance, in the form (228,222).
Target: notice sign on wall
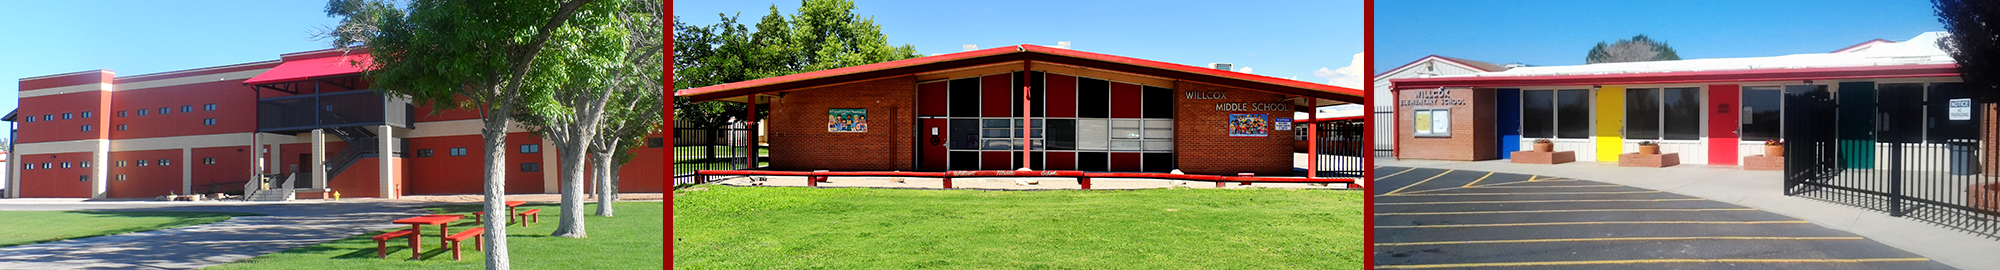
(1249,125)
(1283,123)
(1432,123)
(1961,109)
(847,120)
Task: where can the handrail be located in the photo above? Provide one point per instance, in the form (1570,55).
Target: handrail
(1052,173)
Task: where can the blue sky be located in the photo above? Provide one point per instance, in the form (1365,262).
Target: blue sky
(1286,39)
(140,37)
(1553,33)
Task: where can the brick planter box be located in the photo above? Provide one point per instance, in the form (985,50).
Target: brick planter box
(1763,163)
(1532,157)
(1645,160)
(1984,196)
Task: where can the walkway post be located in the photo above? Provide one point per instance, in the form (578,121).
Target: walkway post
(750,132)
(1027,70)
(1312,137)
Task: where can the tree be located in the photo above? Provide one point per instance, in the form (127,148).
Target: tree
(455,54)
(1638,49)
(595,55)
(823,34)
(636,115)
(1975,39)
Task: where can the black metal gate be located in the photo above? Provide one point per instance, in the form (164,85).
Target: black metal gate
(1910,149)
(1342,149)
(711,149)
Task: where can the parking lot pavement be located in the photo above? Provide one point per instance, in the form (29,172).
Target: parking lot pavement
(1444,218)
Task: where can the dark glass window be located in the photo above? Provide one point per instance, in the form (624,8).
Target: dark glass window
(964,97)
(66,116)
(208,122)
(964,134)
(457,151)
(208,160)
(1061,134)
(1158,162)
(121,113)
(423,153)
(1538,114)
(1573,114)
(1159,102)
(964,160)
(1041,88)
(86,114)
(165,110)
(187,108)
(208,107)
(1642,114)
(165,162)
(1093,161)
(1681,109)
(531,166)
(1762,111)
(654,142)
(1093,98)
(531,148)
(121,126)
(142,112)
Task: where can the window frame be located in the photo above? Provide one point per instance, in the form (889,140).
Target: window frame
(187,108)
(458,151)
(208,107)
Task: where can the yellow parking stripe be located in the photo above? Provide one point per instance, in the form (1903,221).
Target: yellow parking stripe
(1649,261)
(1530,193)
(1539,201)
(1476,181)
(1394,174)
(1556,240)
(1574,186)
(1563,211)
(1419,182)
(1592,223)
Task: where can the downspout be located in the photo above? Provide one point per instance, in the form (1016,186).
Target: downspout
(1395,115)
(1027,70)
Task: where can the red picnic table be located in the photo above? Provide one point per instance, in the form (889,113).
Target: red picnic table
(510,209)
(417,223)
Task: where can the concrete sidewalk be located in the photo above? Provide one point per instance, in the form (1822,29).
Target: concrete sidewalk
(1762,190)
(283,226)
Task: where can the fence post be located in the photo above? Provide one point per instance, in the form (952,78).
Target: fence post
(1896,179)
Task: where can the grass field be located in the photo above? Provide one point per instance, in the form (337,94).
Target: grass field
(629,241)
(29,227)
(719,227)
(701,152)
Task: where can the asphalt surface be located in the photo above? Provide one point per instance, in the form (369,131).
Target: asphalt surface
(281,226)
(1428,218)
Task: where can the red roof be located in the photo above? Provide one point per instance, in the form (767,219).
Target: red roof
(302,69)
(1024,52)
(1719,76)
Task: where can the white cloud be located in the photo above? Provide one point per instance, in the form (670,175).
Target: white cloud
(1349,76)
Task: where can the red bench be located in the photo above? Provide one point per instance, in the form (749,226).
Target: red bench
(382,241)
(481,217)
(537,213)
(456,238)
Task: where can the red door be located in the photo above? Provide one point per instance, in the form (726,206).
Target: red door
(932,138)
(1722,129)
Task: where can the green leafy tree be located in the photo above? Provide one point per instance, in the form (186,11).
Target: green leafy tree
(1975,39)
(594,57)
(460,54)
(1638,49)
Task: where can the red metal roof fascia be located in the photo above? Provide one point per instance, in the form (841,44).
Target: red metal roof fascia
(740,88)
(1229,76)
(1897,71)
(1324,119)
(298,70)
(1002,54)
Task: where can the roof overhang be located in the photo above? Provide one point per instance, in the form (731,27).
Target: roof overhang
(313,68)
(1321,94)
(1722,76)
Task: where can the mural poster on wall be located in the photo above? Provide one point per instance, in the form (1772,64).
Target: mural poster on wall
(847,120)
(1249,125)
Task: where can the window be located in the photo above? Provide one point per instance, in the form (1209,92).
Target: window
(1005,134)
(121,127)
(1538,114)
(85,164)
(121,113)
(423,153)
(142,112)
(208,160)
(142,163)
(48,165)
(66,116)
(121,163)
(654,142)
(1573,114)
(531,167)
(121,177)
(30,166)
(164,162)
(86,127)
(1762,111)
(531,148)
(208,122)
(86,114)
(31,119)
(457,151)
(48,117)
(187,108)
(1432,123)
(65,165)
(165,110)
(208,107)
(1663,114)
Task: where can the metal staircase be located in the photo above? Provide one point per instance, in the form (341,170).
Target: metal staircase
(361,143)
(261,190)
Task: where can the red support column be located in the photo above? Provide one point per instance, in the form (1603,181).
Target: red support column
(750,130)
(947,183)
(1027,70)
(1312,137)
(1083,181)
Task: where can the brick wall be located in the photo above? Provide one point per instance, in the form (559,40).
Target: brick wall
(1472,134)
(1202,144)
(799,140)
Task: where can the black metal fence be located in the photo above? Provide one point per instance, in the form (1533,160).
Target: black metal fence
(1921,153)
(1342,149)
(711,149)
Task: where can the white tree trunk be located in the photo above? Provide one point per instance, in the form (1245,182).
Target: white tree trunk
(601,161)
(572,160)
(495,133)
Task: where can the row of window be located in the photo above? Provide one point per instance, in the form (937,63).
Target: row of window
(460,151)
(165,110)
(52,117)
(1063,134)
(86,114)
(123,127)
(121,163)
(1675,113)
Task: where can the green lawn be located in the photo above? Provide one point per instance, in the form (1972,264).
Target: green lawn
(701,152)
(629,241)
(29,227)
(720,227)
(690,167)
